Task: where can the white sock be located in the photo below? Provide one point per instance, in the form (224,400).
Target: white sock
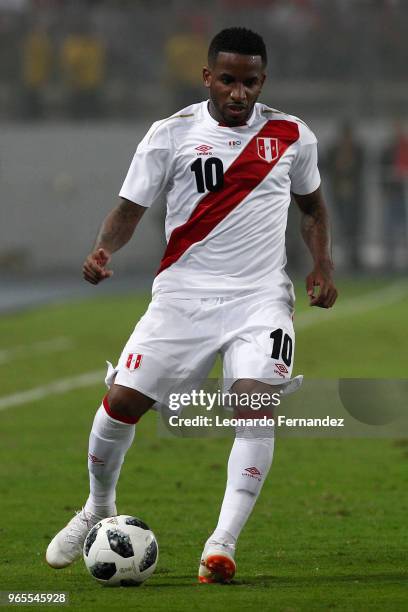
(108,442)
(248,466)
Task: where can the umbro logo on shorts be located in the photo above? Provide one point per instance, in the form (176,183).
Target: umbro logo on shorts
(133,361)
(281,368)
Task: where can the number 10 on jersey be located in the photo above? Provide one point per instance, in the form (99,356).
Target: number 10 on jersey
(210,175)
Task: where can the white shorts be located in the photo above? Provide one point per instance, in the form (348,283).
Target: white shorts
(179,339)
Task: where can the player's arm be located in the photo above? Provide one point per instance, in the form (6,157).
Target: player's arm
(316,234)
(116,230)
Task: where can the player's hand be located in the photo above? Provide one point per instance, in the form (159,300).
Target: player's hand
(320,286)
(94,270)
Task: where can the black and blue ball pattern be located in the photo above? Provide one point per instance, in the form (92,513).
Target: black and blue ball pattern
(120,543)
(121,551)
(149,556)
(132,520)
(90,538)
(103,571)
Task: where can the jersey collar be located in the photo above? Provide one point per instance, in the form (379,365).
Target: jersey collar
(211,121)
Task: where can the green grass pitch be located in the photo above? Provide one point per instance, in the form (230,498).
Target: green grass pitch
(329,529)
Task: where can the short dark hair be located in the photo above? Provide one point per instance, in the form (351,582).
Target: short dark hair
(237,40)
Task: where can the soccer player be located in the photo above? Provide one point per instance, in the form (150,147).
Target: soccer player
(227,167)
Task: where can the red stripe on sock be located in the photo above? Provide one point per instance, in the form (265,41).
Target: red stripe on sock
(116,416)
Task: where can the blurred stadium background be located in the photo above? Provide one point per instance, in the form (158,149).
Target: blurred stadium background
(81,81)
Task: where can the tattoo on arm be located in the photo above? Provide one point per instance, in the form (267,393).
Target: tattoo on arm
(315,227)
(118,227)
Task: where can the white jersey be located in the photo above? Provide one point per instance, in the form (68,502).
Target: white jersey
(228,193)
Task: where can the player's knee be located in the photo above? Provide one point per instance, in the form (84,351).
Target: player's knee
(128,403)
(255,399)
(250,385)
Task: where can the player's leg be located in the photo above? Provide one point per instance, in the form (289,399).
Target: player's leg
(248,466)
(112,433)
(151,358)
(254,363)
(111,436)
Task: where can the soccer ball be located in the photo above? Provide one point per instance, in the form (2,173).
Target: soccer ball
(121,551)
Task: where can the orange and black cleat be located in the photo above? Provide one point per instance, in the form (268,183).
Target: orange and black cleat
(217,565)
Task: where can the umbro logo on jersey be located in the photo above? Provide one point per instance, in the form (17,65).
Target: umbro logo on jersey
(133,361)
(268,149)
(204,149)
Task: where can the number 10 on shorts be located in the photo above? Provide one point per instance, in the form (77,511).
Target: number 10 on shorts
(282,346)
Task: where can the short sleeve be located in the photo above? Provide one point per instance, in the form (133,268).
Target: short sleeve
(304,173)
(149,169)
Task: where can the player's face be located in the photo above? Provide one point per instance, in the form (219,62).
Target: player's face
(235,82)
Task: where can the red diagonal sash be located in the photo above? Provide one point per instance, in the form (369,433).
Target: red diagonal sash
(244,174)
